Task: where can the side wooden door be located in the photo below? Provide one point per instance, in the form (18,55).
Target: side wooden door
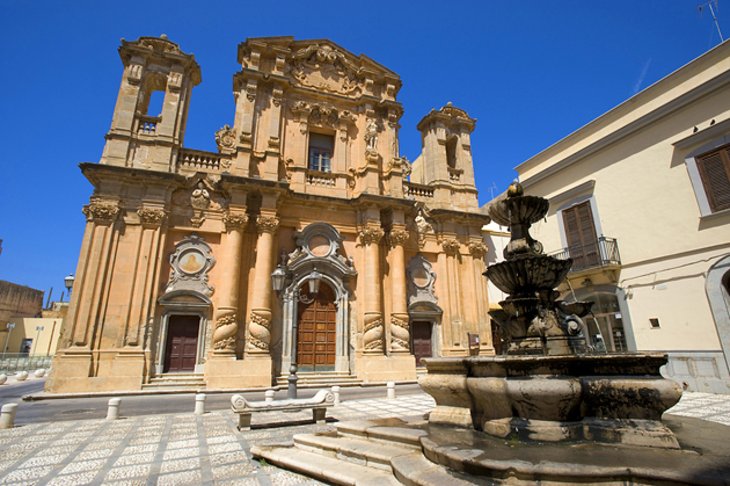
(182,344)
(421,337)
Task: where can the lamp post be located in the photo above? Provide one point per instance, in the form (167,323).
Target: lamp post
(69,282)
(37,338)
(10,326)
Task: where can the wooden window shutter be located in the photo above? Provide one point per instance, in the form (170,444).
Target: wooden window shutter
(580,232)
(715,173)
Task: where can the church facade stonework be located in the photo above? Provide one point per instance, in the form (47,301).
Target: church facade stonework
(307,238)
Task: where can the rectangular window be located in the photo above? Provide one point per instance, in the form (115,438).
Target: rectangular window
(580,233)
(321,149)
(714,169)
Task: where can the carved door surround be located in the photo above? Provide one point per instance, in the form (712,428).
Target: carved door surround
(423,307)
(187,293)
(318,250)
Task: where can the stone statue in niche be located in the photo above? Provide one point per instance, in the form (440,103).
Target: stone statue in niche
(371,136)
(423,227)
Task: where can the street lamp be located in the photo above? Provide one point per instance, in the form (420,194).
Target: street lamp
(314,279)
(10,326)
(69,282)
(278,278)
(37,338)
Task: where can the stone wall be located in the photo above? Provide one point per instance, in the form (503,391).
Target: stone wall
(18,300)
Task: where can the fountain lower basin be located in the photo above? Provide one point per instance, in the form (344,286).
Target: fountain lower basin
(603,398)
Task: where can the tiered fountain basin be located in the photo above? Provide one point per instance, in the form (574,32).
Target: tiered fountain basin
(617,399)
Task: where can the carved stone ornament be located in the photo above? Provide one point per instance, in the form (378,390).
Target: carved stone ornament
(225,138)
(373,332)
(478,249)
(151,217)
(174,81)
(371,234)
(235,221)
(400,334)
(398,237)
(267,224)
(451,246)
(101,212)
(134,73)
(421,281)
(224,335)
(189,266)
(322,67)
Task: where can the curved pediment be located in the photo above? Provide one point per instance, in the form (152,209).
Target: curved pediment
(318,64)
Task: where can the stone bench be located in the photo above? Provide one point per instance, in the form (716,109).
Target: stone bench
(318,403)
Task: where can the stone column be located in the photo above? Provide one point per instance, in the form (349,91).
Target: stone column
(151,220)
(259,326)
(400,337)
(226,323)
(451,248)
(373,331)
(92,282)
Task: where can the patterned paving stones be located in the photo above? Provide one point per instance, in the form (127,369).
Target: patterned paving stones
(207,449)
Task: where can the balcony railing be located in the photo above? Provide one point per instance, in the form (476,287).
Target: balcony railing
(199,160)
(413,190)
(600,253)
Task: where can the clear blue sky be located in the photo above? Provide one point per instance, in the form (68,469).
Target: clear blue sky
(531,72)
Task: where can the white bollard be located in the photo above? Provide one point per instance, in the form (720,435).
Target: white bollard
(391,390)
(113,410)
(40,373)
(269,396)
(200,404)
(21,376)
(3,378)
(336,393)
(7,415)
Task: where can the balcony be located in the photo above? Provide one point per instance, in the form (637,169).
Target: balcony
(601,253)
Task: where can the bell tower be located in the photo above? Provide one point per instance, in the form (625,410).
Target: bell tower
(154,67)
(445,163)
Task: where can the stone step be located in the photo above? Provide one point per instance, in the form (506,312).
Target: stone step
(322,467)
(414,469)
(323,379)
(390,430)
(182,381)
(356,450)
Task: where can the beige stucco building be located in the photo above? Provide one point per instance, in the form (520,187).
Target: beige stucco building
(640,199)
(174,279)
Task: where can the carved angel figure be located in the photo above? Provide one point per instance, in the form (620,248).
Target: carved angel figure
(200,199)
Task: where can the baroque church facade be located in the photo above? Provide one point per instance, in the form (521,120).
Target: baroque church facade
(306,239)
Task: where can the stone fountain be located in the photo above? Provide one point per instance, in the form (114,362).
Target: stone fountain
(547,386)
(548,410)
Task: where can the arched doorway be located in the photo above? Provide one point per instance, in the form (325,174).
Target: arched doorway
(316,329)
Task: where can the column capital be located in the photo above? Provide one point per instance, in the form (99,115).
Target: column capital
(477,249)
(398,237)
(451,246)
(267,224)
(151,218)
(235,221)
(371,234)
(101,212)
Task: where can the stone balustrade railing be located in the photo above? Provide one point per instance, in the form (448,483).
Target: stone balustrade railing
(147,125)
(413,190)
(198,160)
(317,178)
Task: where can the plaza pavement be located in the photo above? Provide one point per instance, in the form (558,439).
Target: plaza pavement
(178,449)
